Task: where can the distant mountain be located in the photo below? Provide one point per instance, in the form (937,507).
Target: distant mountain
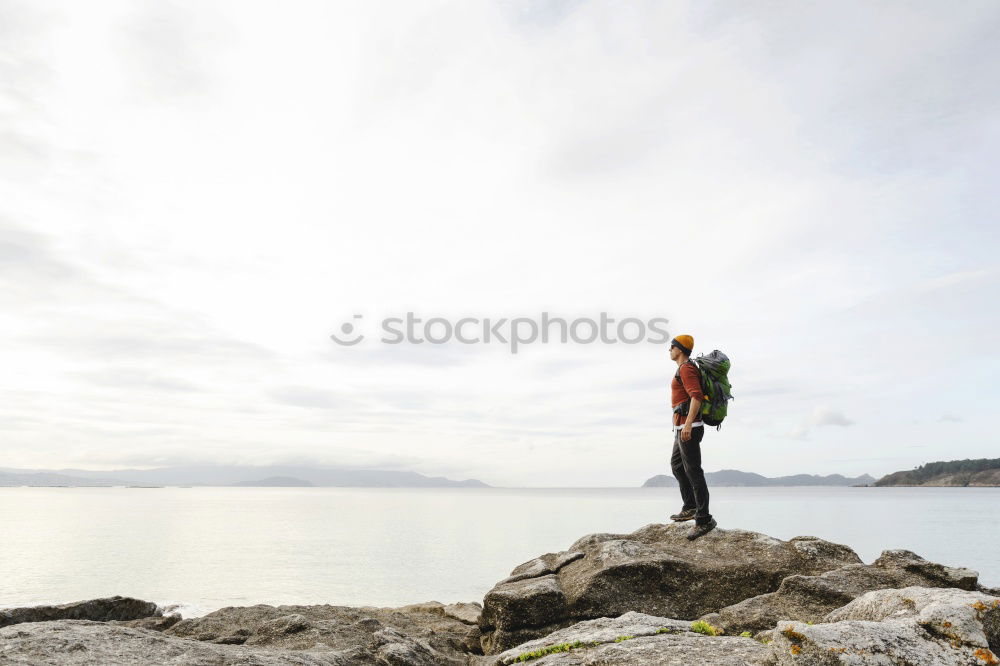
(32,478)
(736,478)
(228,475)
(275,481)
(978,472)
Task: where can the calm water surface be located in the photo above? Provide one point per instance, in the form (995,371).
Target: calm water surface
(205,548)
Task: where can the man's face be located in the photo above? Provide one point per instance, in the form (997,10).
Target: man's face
(674,351)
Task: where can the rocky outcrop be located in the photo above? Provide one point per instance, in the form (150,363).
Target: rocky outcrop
(912,625)
(70,642)
(428,634)
(653,570)
(156,622)
(432,632)
(98,610)
(633,639)
(810,598)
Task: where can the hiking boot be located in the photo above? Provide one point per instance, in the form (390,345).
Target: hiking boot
(699,530)
(685,514)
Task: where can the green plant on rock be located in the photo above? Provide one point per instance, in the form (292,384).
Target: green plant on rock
(623,638)
(550,649)
(665,630)
(702,627)
(746,634)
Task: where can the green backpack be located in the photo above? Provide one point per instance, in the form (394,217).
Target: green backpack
(714,373)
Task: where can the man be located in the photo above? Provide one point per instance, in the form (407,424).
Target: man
(686,397)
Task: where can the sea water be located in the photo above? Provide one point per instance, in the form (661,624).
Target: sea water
(204,548)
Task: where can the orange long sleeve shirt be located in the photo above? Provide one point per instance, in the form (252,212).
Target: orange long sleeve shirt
(688,387)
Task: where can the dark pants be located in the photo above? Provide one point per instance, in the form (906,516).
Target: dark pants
(686,465)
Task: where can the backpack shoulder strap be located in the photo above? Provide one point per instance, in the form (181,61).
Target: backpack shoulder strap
(678,374)
(683,407)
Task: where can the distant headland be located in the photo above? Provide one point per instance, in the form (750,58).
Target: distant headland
(981,472)
(734,478)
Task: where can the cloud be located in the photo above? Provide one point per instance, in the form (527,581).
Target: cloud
(134,378)
(194,194)
(168,48)
(821,416)
(28,256)
(373,352)
(950,418)
(766,390)
(542,15)
(303,396)
(25,152)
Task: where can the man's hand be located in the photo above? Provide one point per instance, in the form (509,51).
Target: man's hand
(692,412)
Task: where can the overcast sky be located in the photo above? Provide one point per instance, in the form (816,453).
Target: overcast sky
(195,195)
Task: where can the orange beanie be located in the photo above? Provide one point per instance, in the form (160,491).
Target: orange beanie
(683,342)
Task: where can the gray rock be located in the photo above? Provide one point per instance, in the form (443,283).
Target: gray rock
(274,631)
(940,575)
(467,613)
(972,618)
(396,649)
(653,570)
(810,598)
(417,634)
(155,622)
(913,625)
(70,642)
(98,610)
(641,645)
(462,611)
(549,563)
